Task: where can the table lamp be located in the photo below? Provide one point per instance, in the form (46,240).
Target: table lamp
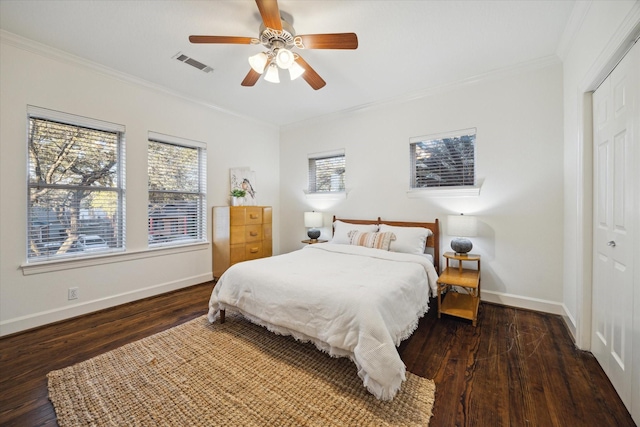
(312,220)
(462,226)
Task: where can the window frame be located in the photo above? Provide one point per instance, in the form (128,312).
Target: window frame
(35,113)
(312,159)
(464,189)
(201,193)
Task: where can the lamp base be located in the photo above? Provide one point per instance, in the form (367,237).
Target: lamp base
(313,233)
(461,245)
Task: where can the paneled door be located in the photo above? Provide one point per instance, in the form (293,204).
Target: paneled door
(615,120)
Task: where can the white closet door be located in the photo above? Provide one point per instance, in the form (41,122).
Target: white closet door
(616,116)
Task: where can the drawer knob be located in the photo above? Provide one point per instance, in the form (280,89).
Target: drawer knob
(253,233)
(253,216)
(254,250)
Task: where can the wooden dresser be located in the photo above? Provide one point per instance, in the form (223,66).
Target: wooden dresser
(240,233)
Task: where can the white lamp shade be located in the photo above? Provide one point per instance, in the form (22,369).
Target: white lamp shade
(313,219)
(284,58)
(272,74)
(258,62)
(295,71)
(462,226)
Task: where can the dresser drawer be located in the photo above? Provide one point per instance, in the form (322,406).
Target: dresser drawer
(253,250)
(267,248)
(237,215)
(236,254)
(266,231)
(253,233)
(253,215)
(237,234)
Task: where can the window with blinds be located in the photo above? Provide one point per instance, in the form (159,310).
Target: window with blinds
(326,172)
(177,190)
(444,160)
(75,186)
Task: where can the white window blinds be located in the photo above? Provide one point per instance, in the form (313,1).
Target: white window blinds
(327,172)
(177,190)
(75,186)
(445,160)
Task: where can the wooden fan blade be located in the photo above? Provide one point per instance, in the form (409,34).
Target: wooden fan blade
(251,78)
(222,39)
(327,41)
(270,14)
(310,75)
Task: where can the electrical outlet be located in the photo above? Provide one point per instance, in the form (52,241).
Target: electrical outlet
(73,293)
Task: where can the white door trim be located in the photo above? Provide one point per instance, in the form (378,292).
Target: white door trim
(615,50)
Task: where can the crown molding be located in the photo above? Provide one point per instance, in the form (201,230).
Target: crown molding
(625,36)
(576,19)
(44,50)
(63,56)
(501,73)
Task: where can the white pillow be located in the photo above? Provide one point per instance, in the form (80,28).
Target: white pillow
(410,240)
(341,231)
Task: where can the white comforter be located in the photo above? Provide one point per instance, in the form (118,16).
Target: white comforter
(350,301)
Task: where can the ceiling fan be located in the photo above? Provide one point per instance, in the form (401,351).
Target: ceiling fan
(279,37)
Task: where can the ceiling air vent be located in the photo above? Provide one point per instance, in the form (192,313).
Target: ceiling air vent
(197,64)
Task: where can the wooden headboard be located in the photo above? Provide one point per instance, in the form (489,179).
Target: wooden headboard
(433,241)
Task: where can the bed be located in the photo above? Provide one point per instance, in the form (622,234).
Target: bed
(357,296)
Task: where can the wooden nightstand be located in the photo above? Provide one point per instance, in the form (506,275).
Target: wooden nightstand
(461,304)
(311,242)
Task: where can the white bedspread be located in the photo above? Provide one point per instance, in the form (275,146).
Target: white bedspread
(350,301)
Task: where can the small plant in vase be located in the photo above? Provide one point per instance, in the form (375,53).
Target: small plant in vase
(237,197)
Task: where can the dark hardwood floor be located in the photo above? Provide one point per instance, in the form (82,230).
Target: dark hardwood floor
(516,368)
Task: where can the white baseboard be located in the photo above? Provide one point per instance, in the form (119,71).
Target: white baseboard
(571,323)
(536,304)
(34,320)
(524,302)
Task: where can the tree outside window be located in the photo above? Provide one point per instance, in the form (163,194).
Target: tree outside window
(443,160)
(75,189)
(177,192)
(326,173)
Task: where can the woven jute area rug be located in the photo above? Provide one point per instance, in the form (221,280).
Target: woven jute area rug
(234,374)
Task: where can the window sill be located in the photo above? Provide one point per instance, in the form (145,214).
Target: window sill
(423,193)
(330,195)
(109,258)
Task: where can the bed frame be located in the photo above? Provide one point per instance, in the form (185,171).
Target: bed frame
(433,241)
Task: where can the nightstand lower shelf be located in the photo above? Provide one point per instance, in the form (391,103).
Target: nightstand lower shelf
(461,305)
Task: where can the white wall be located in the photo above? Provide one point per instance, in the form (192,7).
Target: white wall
(519,163)
(604,28)
(33,75)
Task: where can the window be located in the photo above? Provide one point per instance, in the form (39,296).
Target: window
(326,172)
(177,190)
(75,186)
(445,160)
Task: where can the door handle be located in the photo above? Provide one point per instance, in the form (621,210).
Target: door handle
(611,243)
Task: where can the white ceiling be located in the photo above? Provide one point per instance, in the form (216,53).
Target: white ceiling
(405,47)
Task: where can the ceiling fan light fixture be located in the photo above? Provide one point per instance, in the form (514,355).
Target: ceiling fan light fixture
(295,71)
(284,58)
(258,62)
(278,37)
(272,74)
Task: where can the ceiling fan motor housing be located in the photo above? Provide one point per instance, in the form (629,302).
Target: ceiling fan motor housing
(274,39)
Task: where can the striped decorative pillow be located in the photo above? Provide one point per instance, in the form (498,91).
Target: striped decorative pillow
(371,240)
